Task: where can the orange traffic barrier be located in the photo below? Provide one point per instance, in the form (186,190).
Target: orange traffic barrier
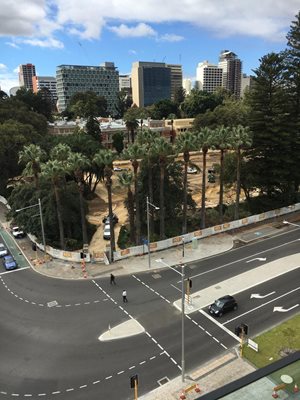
(296,388)
(197,388)
(275,394)
(182,396)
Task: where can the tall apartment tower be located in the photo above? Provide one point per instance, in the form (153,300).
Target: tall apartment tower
(232,72)
(176,78)
(151,82)
(45,82)
(26,72)
(208,77)
(125,83)
(187,85)
(102,80)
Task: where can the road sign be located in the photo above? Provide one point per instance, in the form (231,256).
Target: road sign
(253,345)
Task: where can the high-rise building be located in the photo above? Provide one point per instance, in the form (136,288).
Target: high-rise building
(125,83)
(151,82)
(246,83)
(102,80)
(187,85)
(208,77)
(45,82)
(176,78)
(26,72)
(232,72)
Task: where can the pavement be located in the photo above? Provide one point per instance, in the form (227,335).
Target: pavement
(208,377)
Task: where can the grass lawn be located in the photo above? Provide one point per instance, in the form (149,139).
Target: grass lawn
(286,335)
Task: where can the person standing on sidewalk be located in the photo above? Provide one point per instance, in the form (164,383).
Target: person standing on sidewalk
(112,279)
(124,294)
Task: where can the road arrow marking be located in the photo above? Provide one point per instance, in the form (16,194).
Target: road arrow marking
(281,309)
(258,258)
(259,296)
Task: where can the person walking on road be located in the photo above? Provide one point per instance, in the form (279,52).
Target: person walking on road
(112,279)
(124,294)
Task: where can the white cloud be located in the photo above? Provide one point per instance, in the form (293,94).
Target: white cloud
(139,30)
(49,42)
(169,37)
(8,79)
(132,52)
(12,44)
(37,19)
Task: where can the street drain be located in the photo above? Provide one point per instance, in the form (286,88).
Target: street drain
(163,381)
(156,276)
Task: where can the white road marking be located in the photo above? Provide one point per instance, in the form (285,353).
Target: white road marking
(259,296)
(262,305)
(281,309)
(70,390)
(219,325)
(258,259)
(121,372)
(14,270)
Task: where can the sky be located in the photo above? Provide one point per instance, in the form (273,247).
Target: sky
(48,33)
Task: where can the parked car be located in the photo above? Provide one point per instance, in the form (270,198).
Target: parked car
(211,178)
(106,232)
(211,170)
(17,232)
(223,305)
(118,169)
(3,250)
(115,219)
(192,170)
(9,263)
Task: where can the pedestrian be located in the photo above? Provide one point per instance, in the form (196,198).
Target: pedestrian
(112,279)
(124,294)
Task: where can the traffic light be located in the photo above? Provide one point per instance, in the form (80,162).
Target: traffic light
(33,246)
(134,381)
(190,283)
(82,255)
(244,327)
(238,330)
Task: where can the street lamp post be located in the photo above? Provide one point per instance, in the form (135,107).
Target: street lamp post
(183,243)
(39,204)
(148,228)
(182,274)
(291,223)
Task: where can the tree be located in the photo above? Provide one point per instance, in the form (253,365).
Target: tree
(77,163)
(124,103)
(106,158)
(88,104)
(179,96)
(163,108)
(222,141)
(197,102)
(126,180)
(31,156)
(131,123)
(54,170)
(270,122)
(163,150)
(36,102)
(204,142)
(240,139)
(133,153)
(185,143)
(118,141)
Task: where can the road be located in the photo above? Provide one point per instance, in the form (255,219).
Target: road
(50,328)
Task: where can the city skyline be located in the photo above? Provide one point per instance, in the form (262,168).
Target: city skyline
(185,32)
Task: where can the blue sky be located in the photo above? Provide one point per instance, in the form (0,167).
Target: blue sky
(48,33)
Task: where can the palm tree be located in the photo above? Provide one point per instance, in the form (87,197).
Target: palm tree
(146,138)
(185,143)
(77,163)
(106,157)
(222,141)
(241,139)
(55,171)
(163,150)
(126,179)
(204,140)
(32,155)
(131,125)
(134,152)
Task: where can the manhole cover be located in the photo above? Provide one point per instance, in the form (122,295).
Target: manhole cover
(52,303)
(163,381)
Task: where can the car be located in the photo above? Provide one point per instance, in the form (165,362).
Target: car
(3,250)
(192,170)
(106,232)
(9,263)
(118,169)
(17,232)
(115,219)
(223,305)
(211,170)
(211,178)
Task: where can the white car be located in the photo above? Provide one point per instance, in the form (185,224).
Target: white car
(192,170)
(17,232)
(3,250)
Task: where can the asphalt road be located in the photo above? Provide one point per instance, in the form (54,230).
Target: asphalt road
(49,328)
